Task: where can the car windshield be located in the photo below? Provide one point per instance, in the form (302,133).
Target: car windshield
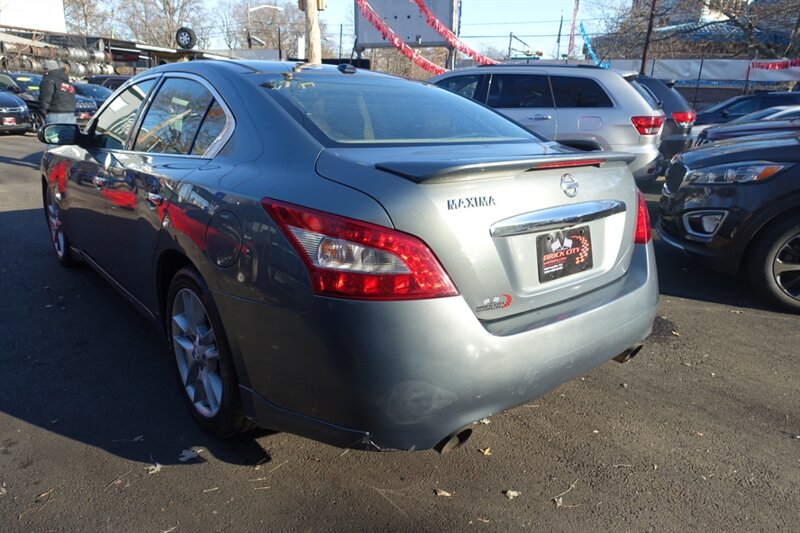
(756,115)
(28,82)
(372,110)
(92,91)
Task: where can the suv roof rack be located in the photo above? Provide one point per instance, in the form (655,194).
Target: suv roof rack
(538,63)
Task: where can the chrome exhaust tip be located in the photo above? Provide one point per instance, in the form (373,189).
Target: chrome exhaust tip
(453,441)
(628,354)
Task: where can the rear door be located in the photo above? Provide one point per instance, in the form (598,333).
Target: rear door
(527,99)
(583,111)
(181,128)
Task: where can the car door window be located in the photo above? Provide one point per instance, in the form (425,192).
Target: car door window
(573,91)
(173,119)
(519,90)
(464,85)
(113,126)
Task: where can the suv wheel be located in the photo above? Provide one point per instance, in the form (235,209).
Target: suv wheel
(775,264)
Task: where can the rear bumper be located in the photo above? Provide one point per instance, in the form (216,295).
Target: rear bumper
(647,162)
(403,375)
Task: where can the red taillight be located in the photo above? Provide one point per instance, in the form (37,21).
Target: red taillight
(684,118)
(648,125)
(571,163)
(348,258)
(643,232)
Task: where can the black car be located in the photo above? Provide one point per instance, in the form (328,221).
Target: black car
(739,106)
(747,129)
(678,120)
(14,114)
(26,86)
(98,93)
(734,205)
(111,82)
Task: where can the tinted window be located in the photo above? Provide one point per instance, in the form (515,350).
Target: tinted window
(463,85)
(174,117)
(648,95)
(379,110)
(519,90)
(211,128)
(92,91)
(745,105)
(113,126)
(28,82)
(579,92)
(781,100)
(6,81)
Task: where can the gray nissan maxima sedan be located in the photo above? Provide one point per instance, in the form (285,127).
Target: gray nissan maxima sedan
(363,260)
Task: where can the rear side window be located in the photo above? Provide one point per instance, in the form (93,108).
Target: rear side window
(746,105)
(212,127)
(781,100)
(648,95)
(113,126)
(464,85)
(571,91)
(173,120)
(519,90)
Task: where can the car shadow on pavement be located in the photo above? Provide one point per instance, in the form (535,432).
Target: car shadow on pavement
(29,161)
(80,362)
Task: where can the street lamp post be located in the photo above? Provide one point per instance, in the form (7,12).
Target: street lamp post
(249,34)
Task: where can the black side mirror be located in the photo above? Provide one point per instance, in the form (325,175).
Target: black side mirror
(59,134)
(725,113)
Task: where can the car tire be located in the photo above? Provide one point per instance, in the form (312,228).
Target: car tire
(55,225)
(186,38)
(775,264)
(38,121)
(202,357)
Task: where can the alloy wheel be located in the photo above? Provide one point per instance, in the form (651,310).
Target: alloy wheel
(786,267)
(196,353)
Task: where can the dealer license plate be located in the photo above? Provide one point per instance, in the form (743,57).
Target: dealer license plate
(9,121)
(564,252)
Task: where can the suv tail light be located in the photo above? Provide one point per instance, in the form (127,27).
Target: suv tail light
(643,232)
(684,118)
(648,125)
(348,258)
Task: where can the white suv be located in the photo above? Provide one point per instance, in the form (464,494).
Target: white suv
(585,107)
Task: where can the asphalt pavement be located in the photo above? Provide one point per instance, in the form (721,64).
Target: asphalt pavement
(700,432)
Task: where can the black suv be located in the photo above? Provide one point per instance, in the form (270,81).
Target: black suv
(736,205)
(678,116)
(739,106)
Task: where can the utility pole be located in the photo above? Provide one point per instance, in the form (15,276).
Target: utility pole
(647,35)
(313,44)
(249,36)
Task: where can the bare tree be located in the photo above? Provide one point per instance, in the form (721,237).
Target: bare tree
(89,17)
(764,29)
(155,22)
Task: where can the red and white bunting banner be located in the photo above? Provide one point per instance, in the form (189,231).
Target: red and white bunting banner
(776,65)
(449,36)
(386,32)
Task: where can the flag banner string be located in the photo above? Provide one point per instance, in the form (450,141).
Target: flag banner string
(590,51)
(449,36)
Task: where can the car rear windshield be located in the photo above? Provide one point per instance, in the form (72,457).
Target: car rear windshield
(385,111)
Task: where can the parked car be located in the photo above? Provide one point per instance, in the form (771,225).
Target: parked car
(581,106)
(360,259)
(746,129)
(27,88)
(111,82)
(770,113)
(734,205)
(738,106)
(98,93)
(14,114)
(678,117)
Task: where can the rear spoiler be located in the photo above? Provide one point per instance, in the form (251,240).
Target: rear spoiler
(464,170)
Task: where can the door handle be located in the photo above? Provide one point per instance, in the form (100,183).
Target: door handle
(153,198)
(540,117)
(100,182)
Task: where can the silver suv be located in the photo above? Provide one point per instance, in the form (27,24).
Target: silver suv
(581,106)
